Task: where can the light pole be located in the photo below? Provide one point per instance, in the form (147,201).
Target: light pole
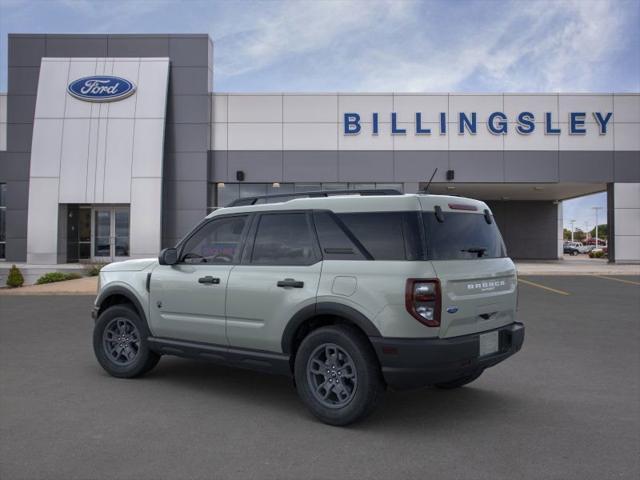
(596,209)
(572,222)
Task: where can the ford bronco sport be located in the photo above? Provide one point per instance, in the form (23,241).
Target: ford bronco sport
(347,294)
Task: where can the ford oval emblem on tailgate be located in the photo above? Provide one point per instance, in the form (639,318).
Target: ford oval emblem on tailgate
(452,309)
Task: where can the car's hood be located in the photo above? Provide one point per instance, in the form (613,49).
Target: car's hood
(130,265)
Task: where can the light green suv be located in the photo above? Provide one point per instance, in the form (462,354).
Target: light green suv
(346,292)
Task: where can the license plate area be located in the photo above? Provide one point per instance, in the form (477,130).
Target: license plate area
(489,343)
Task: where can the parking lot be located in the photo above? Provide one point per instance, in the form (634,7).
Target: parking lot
(566,407)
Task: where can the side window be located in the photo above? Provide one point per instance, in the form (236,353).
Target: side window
(284,239)
(386,235)
(217,242)
(334,242)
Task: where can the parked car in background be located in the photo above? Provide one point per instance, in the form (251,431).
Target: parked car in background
(573,248)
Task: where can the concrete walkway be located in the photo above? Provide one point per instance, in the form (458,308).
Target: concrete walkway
(81,286)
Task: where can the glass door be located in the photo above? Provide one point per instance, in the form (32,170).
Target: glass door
(110,233)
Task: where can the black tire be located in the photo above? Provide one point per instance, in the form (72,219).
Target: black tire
(459,382)
(362,385)
(135,357)
(574,253)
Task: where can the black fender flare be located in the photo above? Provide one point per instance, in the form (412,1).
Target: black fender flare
(326,308)
(125,292)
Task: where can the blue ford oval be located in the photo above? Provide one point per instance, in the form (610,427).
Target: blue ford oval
(101,88)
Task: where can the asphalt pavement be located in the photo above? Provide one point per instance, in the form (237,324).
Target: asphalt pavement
(565,407)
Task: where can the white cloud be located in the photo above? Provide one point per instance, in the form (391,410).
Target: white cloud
(533,46)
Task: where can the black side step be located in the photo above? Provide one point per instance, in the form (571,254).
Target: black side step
(269,362)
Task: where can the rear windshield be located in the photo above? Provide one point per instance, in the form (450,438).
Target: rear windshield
(461,236)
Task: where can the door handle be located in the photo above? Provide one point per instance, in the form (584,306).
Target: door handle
(209,280)
(290,282)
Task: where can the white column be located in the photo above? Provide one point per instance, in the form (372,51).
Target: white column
(626,221)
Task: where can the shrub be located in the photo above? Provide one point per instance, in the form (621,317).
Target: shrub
(15,278)
(52,277)
(596,254)
(94,269)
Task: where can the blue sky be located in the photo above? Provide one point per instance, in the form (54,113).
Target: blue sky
(370,45)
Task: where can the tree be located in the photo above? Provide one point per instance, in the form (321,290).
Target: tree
(15,278)
(566,234)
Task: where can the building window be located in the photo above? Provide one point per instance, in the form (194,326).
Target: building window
(221,194)
(3,216)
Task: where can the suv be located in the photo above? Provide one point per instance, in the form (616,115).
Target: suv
(347,294)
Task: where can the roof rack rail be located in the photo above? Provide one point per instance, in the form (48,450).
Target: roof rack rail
(241,202)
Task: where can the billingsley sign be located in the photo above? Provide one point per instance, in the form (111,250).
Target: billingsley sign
(101,88)
(497,123)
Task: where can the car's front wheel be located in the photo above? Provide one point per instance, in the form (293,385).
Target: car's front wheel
(337,375)
(120,343)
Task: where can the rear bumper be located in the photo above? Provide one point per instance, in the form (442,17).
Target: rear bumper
(412,363)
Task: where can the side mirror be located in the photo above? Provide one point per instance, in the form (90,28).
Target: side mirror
(168,256)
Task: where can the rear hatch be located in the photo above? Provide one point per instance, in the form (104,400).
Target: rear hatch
(477,280)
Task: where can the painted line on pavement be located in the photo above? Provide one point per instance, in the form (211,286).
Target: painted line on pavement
(631,282)
(534,284)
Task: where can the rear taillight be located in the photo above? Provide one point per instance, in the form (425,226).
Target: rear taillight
(422,299)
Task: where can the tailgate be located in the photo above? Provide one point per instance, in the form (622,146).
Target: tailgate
(477,295)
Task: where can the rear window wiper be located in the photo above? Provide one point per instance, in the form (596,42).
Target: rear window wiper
(479,250)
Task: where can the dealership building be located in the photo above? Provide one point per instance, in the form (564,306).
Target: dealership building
(115,146)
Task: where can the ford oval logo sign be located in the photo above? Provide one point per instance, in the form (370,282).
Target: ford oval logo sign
(101,88)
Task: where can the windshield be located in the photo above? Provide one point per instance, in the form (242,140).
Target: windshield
(461,236)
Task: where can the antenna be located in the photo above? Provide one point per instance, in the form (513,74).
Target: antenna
(426,189)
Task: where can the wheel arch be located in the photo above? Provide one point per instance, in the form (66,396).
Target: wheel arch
(320,314)
(118,295)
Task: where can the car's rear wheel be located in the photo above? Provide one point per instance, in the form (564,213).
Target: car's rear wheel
(337,375)
(459,382)
(120,343)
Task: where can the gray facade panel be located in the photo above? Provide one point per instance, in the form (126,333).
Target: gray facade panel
(17,195)
(138,46)
(258,166)
(16,224)
(177,223)
(365,166)
(23,80)
(531,166)
(626,166)
(529,229)
(22,108)
(218,166)
(586,166)
(420,165)
(187,137)
(310,166)
(76,46)
(14,166)
(26,51)
(185,195)
(477,166)
(188,80)
(185,166)
(188,109)
(189,51)
(19,137)
(16,248)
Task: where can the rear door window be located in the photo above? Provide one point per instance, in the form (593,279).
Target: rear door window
(462,236)
(386,235)
(284,239)
(336,242)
